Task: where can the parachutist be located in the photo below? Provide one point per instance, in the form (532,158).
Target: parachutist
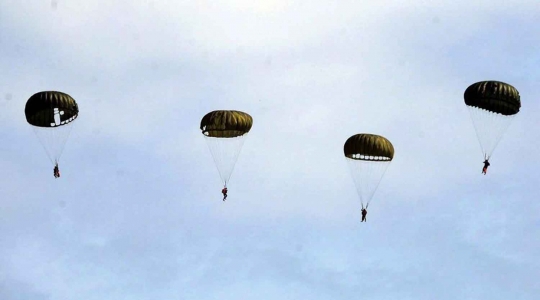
(486,165)
(224,192)
(225,132)
(368,156)
(492,105)
(51,114)
(364,213)
(56,171)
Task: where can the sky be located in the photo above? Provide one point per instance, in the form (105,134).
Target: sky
(138,212)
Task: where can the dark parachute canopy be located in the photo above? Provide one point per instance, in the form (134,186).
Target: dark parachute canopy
(226,123)
(492,105)
(51,115)
(494,96)
(368,147)
(41,107)
(368,157)
(225,132)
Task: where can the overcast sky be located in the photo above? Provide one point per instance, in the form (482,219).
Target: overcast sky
(137,213)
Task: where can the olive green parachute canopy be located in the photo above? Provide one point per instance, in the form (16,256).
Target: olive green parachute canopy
(226,123)
(494,96)
(42,108)
(371,147)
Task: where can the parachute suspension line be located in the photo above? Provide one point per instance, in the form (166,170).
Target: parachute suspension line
(501,129)
(377,171)
(471,114)
(490,128)
(62,147)
(42,142)
(225,152)
(53,139)
(367,176)
(379,182)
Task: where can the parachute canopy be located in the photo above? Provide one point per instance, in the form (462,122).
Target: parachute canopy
(368,147)
(50,109)
(51,115)
(226,123)
(225,132)
(368,157)
(492,106)
(494,96)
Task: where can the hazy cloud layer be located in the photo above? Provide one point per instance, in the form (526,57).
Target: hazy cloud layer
(137,213)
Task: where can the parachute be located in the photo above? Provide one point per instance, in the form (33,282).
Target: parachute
(51,115)
(225,132)
(368,157)
(492,106)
